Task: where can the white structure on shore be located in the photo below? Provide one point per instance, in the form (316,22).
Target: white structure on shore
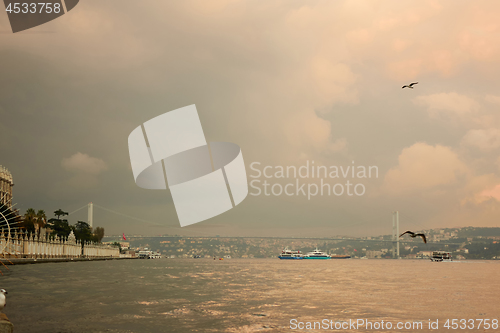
(24,245)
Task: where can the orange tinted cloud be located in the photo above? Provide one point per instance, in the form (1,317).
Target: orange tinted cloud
(424,167)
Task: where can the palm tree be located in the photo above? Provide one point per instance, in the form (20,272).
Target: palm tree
(30,212)
(41,219)
(29,220)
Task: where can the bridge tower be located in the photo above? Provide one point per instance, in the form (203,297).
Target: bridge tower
(395,234)
(91,214)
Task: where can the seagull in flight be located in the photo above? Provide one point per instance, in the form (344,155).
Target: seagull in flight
(410,85)
(2,298)
(413,235)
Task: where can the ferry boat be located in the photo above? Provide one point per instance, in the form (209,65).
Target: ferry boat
(149,255)
(317,254)
(290,254)
(439,256)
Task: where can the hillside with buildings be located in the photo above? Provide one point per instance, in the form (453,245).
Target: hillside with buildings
(463,243)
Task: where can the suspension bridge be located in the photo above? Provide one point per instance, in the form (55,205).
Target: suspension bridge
(12,222)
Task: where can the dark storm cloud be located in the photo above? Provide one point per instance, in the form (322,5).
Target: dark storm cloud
(287,81)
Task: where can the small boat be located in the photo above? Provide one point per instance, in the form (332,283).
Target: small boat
(290,254)
(340,256)
(144,254)
(149,255)
(317,254)
(155,255)
(440,256)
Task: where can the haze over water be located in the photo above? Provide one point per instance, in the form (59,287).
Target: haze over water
(245,295)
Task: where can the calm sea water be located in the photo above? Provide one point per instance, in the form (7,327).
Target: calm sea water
(246,295)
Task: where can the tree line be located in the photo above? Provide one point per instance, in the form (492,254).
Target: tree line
(59,227)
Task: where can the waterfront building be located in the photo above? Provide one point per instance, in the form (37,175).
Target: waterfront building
(371,254)
(6,184)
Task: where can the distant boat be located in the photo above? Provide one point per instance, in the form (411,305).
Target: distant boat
(340,256)
(440,256)
(317,254)
(290,254)
(155,255)
(149,255)
(144,254)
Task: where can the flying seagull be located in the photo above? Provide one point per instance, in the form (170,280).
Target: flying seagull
(2,298)
(413,235)
(410,85)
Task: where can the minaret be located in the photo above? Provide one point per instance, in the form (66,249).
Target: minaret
(91,215)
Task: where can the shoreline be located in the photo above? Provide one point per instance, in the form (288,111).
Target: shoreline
(26,261)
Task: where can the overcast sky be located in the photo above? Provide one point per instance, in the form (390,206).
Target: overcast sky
(288,81)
